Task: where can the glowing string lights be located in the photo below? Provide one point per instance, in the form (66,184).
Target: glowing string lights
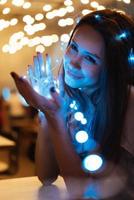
(131,58)
(41,76)
(92,162)
(123,35)
(73,105)
(80,117)
(42,80)
(81,136)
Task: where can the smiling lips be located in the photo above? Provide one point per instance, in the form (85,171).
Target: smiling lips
(73,74)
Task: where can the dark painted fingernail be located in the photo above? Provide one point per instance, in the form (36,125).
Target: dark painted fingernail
(52,89)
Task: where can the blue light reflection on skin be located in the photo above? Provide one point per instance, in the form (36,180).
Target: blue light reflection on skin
(91,192)
(22,100)
(92,163)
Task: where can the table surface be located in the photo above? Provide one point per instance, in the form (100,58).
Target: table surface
(5,142)
(30,188)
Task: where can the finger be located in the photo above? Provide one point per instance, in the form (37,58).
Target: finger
(20,81)
(55,96)
(30,95)
(14,75)
(31,75)
(26,90)
(36,67)
(61,83)
(48,68)
(41,64)
(17,79)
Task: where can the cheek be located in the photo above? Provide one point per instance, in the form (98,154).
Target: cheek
(91,72)
(67,54)
(66,57)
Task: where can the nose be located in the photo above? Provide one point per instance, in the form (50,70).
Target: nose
(76,61)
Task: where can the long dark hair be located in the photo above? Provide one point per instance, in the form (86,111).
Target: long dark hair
(114,79)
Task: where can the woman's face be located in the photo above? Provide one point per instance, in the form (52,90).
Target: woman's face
(84,58)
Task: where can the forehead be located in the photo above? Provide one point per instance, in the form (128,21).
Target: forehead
(89,39)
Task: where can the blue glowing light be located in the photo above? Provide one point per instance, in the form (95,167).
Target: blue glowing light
(98,17)
(92,162)
(6,93)
(40,115)
(73,105)
(41,77)
(81,136)
(122,35)
(77,19)
(84,121)
(78,116)
(75,108)
(42,69)
(131,57)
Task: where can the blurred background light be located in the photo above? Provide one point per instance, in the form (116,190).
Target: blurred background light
(45,25)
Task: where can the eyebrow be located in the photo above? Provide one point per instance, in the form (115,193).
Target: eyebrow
(89,53)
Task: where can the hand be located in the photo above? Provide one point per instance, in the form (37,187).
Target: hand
(35,99)
(41,79)
(40,75)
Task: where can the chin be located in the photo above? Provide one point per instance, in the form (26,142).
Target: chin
(72,86)
(76,84)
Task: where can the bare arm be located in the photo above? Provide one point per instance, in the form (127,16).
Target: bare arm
(54,146)
(46,165)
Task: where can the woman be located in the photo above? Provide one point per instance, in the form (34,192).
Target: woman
(96,81)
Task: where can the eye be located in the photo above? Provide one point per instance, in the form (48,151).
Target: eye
(90,59)
(73,47)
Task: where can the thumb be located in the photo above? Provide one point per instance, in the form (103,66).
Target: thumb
(55,96)
(61,83)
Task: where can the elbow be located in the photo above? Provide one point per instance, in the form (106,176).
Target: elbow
(47,180)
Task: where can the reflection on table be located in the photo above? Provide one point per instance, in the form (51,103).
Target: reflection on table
(7,145)
(30,188)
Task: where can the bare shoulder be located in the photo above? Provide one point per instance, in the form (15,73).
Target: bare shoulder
(132,93)
(128,138)
(130,109)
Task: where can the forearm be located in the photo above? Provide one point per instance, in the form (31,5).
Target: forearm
(46,165)
(68,160)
